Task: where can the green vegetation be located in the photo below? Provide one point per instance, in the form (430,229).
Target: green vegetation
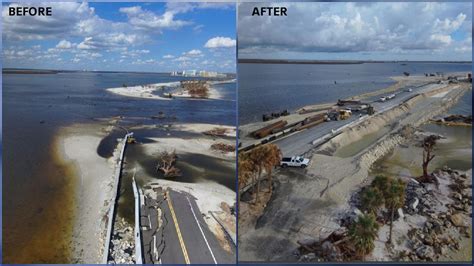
(362,234)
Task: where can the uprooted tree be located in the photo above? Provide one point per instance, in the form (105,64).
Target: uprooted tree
(428,146)
(167,164)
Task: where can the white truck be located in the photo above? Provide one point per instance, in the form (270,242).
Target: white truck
(295,161)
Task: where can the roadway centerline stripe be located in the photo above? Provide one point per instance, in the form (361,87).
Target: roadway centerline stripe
(178,232)
(205,239)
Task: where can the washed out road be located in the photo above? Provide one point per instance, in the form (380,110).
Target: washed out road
(175,232)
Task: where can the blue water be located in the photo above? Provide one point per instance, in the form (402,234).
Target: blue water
(265,88)
(464,105)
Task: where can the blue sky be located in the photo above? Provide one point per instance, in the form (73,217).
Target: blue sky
(438,31)
(123,37)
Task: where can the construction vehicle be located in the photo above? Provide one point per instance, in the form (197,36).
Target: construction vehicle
(131,139)
(370,110)
(344,114)
(336,115)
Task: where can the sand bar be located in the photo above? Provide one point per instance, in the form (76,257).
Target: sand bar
(78,144)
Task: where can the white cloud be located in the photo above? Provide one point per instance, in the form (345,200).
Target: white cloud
(219,42)
(440,39)
(64,22)
(448,25)
(193,53)
(134,53)
(322,27)
(63,44)
(168,56)
(150,21)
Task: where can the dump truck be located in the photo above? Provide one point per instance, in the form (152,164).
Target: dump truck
(295,161)
(336,115)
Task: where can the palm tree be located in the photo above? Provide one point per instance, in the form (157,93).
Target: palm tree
(381,182)
(362,234)
(272,159)
(372,199)
(394,199)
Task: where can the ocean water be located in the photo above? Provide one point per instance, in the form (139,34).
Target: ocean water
(464,105)
(37,191)
(265,88)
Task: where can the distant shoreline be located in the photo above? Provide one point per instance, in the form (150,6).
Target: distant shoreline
(55,71)
(335,62)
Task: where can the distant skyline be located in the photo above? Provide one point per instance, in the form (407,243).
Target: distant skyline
(148,37)
(402,31)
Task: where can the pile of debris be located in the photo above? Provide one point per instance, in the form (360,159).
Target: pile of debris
(442,231)
(217,131)
(455,120)
(196,88)
(334,248)
(223,147)
(122,246)
(267,117)
(419,199)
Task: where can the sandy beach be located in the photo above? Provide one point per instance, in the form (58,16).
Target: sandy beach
(147,91)
(77,145)
(143,91)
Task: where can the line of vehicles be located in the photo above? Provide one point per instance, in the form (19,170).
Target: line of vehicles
(393,95)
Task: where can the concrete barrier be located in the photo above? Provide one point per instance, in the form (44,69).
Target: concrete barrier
(111,217)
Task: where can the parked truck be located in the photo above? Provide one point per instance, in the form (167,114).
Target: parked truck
(295,161)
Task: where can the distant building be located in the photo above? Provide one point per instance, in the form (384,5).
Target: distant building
(189,73)
(201,73)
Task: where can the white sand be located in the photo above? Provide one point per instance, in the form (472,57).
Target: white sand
(201,128)
(143,91)
(78,145)
(440,95)
(146,91)
(195,145)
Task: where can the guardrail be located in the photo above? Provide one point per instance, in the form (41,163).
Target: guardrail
(111,218)
(138,235)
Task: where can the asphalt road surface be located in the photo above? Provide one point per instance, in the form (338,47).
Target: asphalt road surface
(174,232)
(301,142)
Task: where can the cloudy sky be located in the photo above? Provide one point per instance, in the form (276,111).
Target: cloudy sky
(358,31)
(123,36)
